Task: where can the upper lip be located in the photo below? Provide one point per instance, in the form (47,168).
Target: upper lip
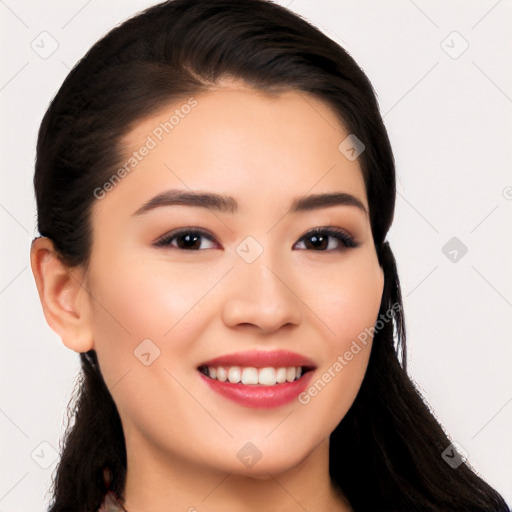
(261,359)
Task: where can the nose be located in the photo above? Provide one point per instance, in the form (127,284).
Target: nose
(261,296)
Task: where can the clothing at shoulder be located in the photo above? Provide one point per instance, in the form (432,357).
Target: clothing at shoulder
(111,503)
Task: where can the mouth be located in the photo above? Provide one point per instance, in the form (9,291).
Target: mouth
(252,376)
(258,378)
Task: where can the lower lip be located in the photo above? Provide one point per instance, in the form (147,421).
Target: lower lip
(260,396)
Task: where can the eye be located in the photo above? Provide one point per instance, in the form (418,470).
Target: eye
(186,239)
(319,239)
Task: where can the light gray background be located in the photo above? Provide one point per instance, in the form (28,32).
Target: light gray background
(449,120)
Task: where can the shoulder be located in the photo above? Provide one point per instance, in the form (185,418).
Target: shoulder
(111,503)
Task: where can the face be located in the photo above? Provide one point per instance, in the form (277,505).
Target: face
(237,289)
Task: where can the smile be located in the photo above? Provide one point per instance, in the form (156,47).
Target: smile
(262,379)
(267,376)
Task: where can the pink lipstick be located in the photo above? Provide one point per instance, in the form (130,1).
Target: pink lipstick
(258,378)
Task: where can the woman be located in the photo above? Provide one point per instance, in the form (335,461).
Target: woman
(214,186)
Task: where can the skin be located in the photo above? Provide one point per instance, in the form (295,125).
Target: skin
(182,438)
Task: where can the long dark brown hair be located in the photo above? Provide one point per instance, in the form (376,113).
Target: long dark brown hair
(386,453)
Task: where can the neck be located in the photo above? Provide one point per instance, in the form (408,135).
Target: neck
(159,484)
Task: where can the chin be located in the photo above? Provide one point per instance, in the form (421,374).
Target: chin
(272,462)
(265,470)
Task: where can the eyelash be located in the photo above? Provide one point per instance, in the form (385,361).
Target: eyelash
(337,233)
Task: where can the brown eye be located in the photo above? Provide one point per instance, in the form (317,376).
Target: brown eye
(319,240)
(185,239)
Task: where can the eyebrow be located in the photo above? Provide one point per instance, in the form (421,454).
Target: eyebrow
(228,204)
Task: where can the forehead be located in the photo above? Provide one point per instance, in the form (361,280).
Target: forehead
(242,142)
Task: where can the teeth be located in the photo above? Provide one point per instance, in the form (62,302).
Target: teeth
(234,374)
(250,376)
(264,376)
(222,374)
(290,374)
(267,376)
(281,375)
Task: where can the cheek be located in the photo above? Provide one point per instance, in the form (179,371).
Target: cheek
(349,300)
(157,303)
(349,304)
(148,302)
(146,297)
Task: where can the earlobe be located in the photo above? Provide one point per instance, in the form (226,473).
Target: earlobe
(63,298)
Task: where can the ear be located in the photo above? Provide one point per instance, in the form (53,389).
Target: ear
(63,295)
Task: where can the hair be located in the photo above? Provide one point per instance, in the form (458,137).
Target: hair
(385,454)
